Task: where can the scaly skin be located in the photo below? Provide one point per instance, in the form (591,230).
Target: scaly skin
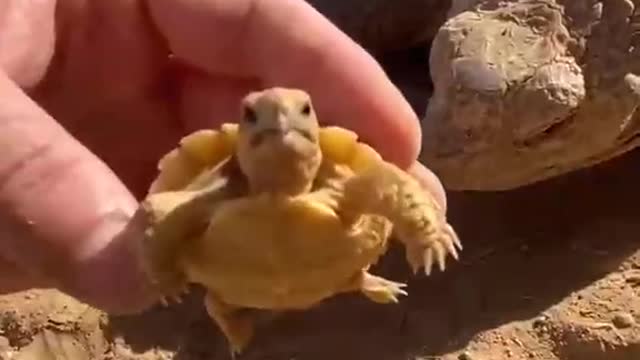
(386,190)
(186,212)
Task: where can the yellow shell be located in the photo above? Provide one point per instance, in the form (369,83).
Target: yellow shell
(196,152)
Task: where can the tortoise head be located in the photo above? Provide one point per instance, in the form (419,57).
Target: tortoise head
(278,141)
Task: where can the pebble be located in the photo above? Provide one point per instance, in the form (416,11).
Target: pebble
(466,356)
(540,321)
(623,320)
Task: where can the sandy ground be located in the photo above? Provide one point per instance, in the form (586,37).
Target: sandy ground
(551,271)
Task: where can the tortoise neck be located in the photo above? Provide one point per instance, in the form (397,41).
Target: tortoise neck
(280,186)
(289,177)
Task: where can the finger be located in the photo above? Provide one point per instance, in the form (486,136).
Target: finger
(60,206)
(288,43)
(208,101)
(430,182)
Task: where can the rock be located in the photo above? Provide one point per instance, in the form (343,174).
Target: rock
(466,356)
(4,344)
(527,90)
(623,320)
(50,345)
(540,322)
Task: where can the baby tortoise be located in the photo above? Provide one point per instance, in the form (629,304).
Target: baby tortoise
(279,213)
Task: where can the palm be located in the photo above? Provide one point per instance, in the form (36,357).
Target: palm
(111,84)
(123,98)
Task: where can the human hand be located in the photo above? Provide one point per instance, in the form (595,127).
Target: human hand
(86,84)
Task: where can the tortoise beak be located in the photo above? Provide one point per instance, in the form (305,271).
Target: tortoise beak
(279,128)
(283,125)
(282,130)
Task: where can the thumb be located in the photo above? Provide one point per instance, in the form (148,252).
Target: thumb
(63,212)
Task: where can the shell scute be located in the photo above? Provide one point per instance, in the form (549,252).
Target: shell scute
(342,146)
(196,152)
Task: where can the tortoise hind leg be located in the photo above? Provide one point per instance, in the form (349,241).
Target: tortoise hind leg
(236,325)
(376,288)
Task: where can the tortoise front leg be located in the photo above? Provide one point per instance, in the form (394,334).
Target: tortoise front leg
(173,219)
(419,222)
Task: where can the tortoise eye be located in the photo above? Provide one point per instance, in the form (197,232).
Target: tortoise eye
(249,115)
(306,109)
